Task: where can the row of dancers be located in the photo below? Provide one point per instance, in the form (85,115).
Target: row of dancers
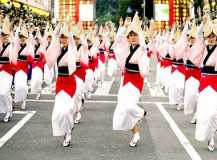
(187,71)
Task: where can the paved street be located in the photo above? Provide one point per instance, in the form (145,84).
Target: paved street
(166,133)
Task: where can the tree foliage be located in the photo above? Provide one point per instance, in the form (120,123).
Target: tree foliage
(114,9)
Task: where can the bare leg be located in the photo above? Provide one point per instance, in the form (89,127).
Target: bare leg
(136,136)
(135,129)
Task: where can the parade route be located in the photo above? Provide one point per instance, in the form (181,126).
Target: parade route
(166,134)
(94,138)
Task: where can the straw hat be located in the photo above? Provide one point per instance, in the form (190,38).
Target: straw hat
(77,30)
(6,26)
(193,30)
(64,30)
(24,31)
(210,28)
(135,25)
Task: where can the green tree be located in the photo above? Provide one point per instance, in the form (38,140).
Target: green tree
(114,9)
(106,10)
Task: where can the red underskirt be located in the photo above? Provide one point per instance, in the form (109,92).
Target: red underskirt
(111,55)
(180,68)
(166,63)
(208,80)
(102,57)
(192,72)
(80,72)
(93,64)
(39,63)
(135,78)
(67,84)
(22,65)
(9,68)
(149,54)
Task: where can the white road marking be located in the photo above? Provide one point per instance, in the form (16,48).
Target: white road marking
(105,87)
(100,95)
(114,102)
(95,101)
(17,127)
(179,134)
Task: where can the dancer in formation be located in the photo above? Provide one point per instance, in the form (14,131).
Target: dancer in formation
(132,59)
(62,51)
(207,105)
(81,66)
(6,71)
(25,54)
(192,75)
(38,64)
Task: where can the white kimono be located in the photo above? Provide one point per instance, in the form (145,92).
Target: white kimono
(207,102)
(5,85)
(127,112)
(64,108)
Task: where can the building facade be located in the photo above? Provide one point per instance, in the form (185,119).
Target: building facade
(178,11)
(76,10)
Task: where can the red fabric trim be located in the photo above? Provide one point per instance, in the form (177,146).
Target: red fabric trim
(173,68)
(93,65)
(40,63)
(158,57)
(192,72)
(166,63)
(80,72)
(102,58)
(7,68)
(135,78)
(208,80)
(22,65)
(161,63)
(180,68)
(67,84)
(149,54)
(111,55)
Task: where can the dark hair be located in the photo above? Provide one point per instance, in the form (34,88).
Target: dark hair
(63,36)
(3,34)
(75,37)
(132,33)
(21,36)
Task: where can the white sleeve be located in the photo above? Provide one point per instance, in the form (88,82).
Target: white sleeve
(71,59)
(143,63)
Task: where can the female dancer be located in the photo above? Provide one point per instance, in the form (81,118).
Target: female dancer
(132,59)
(6,71)
(206,56)
(61,51)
